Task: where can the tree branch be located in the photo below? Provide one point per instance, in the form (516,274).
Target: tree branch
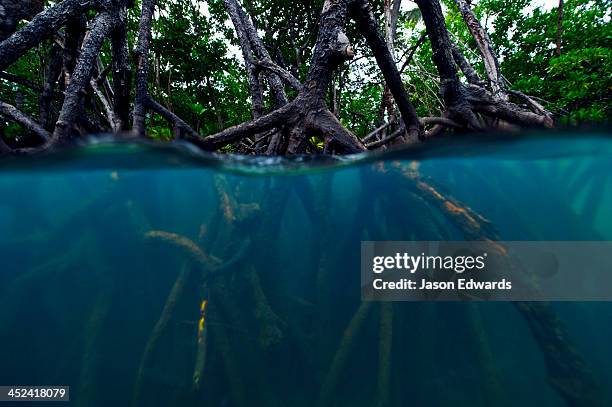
(141,54)
(260,50)
(172,118)
(21,81)
(363,15)
(266,122)
(122,75)
(100,28)
(13,113)
(486,49)
(233,9)
(282,73)
(42,26)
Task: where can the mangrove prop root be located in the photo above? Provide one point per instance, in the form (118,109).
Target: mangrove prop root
(160,327)
(567,371)
(270,330)
(136,216)
(472,225)
(492,387)
(229,265)
(188,247)
(226,204)
(337,365)
(232,370)
(385,342)
(238,374)
(198,372)
(320,198)
(88,387)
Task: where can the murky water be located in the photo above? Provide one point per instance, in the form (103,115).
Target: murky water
(144,276)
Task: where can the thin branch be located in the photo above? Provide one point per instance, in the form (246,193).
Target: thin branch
(285,75)
(172,118)
(108,111)
(413,50)
(375,132)
(386,140)
(15,114)
(21,81)
(443,121)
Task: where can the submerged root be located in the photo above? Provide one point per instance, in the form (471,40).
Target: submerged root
(202,342)
(385,343)
(492,388)
(271,332)
(187,246)
(567,370)
(470,223)
(160,327)
(339,361)
(94,327)
(233,372)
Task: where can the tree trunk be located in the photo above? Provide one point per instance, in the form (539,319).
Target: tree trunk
(392,8)
(42,26)
(486,49)
(142,67)
(468,70)
(308,114)
(52,72)
(16,115)
(73,39)
(454,96)
(255,90)
(275,81)
(559,27)
(12,11)
(100,28)
(363,15)
(122,75)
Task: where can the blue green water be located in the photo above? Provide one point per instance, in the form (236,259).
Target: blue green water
(108,251)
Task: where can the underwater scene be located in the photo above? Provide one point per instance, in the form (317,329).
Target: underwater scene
(141,275)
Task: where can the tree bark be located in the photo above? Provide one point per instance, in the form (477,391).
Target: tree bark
(100,28)
(142,67)
(52,72)
(255,90)
(486,49)
(172,118)
(363,15)
(13,11)
(122,75)
(392,8)
(74,34)
(273,77)
(559,27)
(42,26)
(450,87)
(13,113)
(468,70)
